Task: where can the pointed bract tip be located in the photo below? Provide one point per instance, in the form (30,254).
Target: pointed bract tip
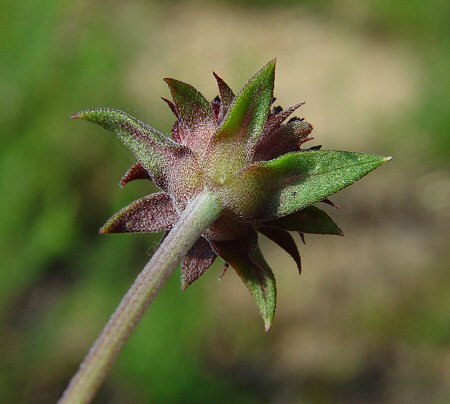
(302,236)
(267,326)
(386,159)
(172,106)
(88,114)
(110,227)
(271,65)
(217,77)
(170,82)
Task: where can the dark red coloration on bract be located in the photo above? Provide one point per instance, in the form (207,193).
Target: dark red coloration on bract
(239,148)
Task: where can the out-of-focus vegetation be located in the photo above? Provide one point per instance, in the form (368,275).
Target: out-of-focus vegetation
(368,320)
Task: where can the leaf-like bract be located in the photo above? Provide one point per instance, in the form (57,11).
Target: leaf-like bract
(278,187)
(168,163)
(247,260)
(248,112)
(242,125)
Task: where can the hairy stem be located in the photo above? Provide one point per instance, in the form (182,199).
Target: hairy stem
(196,218)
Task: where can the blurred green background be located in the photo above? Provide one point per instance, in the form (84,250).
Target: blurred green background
(368,320)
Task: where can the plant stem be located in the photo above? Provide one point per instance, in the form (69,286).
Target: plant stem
(199,214)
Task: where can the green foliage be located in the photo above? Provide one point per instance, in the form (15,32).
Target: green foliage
(278,187)
(154,151)
(245,257)
(242,125)
(248,112)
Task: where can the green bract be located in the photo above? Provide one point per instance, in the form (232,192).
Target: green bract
(240,149)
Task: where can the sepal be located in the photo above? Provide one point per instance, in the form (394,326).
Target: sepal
(287,138)
(285,241)
(278,116)
(194,114)
(135,172)
(150,214)
(226,96)
(198,259)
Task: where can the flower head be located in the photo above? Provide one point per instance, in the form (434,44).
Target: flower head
(248,154)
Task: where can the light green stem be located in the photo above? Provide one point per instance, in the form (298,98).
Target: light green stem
(195,219)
